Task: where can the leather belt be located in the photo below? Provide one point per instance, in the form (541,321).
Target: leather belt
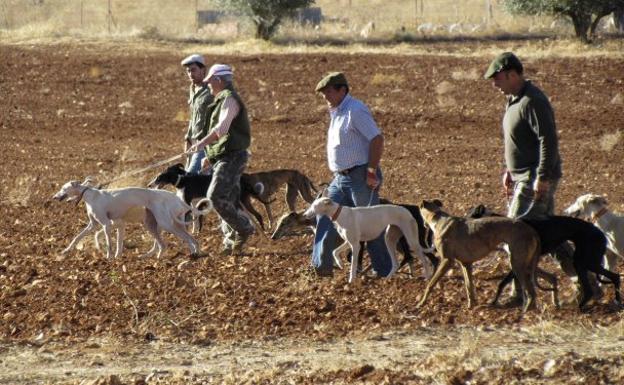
(349,170)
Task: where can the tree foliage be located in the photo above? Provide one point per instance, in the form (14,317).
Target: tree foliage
(584,14)
(265,14)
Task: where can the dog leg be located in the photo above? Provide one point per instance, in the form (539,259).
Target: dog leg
(120,237)
(82,234)
(445,265)
(267,208)
(392,236)
(355,250)
(149,221)
(291,197)
(108,226)
(336,254)
(506,280)
(469,284)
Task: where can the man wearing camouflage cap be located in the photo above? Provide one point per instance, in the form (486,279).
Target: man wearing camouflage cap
(533,164)
(199,101)
(354,148)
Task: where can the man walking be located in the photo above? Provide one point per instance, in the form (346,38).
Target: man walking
(226,150)
(533,164)
(354,149)
(199,100)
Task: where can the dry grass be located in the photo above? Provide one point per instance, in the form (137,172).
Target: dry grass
(394,22)
(609,141)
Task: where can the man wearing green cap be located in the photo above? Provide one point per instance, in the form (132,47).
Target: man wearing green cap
(354,148)
(533,165)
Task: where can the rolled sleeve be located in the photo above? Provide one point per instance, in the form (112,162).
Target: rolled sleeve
(228,112)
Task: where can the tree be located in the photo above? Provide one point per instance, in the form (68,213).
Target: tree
(584,14)
(265,14)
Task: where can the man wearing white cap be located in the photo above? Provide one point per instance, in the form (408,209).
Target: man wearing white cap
(199,101)
(226,150)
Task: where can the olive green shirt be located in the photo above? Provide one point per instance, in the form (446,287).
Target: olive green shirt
(238,136)
(199,102)
(530,135)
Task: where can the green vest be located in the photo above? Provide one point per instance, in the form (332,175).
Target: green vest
(238,137)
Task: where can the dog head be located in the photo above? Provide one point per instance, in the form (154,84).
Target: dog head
(430,211)
(480,211)
(169,176)
(586,206)
(289,224)
(321,206)
(70,191)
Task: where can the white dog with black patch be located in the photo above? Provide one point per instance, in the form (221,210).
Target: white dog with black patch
(362,224)
(594,208)
(163,211)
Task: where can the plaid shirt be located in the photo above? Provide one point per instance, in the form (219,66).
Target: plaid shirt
(350,131)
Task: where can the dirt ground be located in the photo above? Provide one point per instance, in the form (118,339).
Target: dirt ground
(73,110)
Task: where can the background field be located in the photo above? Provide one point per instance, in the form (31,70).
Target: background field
(344,19)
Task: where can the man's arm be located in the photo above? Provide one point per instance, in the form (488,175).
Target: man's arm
(374,157)
(541,119)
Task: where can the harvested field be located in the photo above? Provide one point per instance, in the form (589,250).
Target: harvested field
(72,110)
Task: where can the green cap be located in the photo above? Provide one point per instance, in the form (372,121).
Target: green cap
(503,62)
(332,79)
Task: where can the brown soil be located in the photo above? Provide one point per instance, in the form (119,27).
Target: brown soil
(69,111)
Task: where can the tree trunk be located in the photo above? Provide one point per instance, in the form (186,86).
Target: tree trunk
(594,24)
(581,22)
(266,29)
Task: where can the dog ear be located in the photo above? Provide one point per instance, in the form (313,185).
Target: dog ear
(437,202)
(89,181)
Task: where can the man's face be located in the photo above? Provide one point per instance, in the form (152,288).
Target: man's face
(333,96)
(504,81)
(215,84)
(195,73)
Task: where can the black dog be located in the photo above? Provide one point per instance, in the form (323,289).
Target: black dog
(194,186)
(589,247)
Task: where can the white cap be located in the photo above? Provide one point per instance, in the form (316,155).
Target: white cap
(194,58)
(218,70)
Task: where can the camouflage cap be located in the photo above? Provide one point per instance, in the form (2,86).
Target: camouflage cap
(332,79)
(503,62)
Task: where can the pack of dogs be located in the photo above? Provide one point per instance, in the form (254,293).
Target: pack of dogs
(425,231)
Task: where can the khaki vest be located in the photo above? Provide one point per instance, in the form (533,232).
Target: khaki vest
(238,137)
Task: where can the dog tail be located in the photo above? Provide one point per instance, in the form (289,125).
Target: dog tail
(195,211)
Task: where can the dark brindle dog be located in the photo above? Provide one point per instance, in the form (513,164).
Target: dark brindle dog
(267,183)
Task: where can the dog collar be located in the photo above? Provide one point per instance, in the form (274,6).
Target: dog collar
(81,194)
(335,216)
(178,181)
(599,214)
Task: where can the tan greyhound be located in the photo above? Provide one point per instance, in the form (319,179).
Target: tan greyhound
(469,240)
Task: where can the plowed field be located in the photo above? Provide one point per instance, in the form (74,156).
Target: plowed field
(71,111)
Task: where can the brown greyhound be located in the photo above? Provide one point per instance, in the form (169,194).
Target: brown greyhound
(469,240)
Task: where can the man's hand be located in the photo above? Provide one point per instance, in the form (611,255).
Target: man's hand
(540,188)
(507,184)
(371,180)
(205,165)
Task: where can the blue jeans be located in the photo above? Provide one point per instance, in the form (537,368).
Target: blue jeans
(193,165)
(349,190)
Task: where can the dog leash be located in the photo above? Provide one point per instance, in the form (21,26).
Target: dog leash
(141,170)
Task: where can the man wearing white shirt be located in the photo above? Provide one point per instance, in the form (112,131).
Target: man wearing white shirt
(354,149)
(226,150)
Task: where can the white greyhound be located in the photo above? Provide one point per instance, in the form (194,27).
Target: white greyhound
(594,208)
(362,224)
(163,210)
